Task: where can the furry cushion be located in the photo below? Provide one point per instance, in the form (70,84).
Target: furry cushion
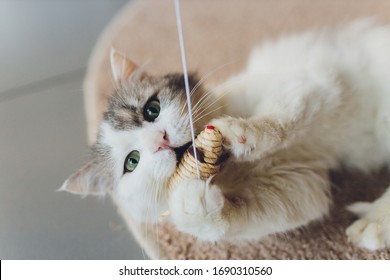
(219,35)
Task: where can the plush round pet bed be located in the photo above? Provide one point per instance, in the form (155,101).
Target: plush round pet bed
(222,32)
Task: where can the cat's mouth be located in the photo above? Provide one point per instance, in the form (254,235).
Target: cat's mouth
(179,151)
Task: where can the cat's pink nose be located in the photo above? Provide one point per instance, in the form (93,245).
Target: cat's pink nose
(161,141)
(164,143)
(157,140)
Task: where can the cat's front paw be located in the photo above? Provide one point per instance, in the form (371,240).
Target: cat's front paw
(197,208)
(372,230)
(238,137)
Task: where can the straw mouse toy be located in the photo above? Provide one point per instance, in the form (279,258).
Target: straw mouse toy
(209,153)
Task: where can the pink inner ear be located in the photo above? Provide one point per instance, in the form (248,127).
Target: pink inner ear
(209,127)
(122,67)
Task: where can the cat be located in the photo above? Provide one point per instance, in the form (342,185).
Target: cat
(305,104)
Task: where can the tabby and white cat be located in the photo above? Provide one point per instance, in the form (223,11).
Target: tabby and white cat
(305,104)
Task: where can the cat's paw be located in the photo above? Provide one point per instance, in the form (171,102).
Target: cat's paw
(197,208)
(372,230)
(238,137)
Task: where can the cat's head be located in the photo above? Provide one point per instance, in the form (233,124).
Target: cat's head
(144,132)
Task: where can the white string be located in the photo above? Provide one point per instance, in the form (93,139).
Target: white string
(187,87)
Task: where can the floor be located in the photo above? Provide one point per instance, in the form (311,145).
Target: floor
(43,54)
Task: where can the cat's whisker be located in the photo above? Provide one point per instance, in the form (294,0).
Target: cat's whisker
(203,112)
(209,74)
(208,113)
(211,94)
(183,107)
(215,101)
(183,120)
(205,96)
(200,110)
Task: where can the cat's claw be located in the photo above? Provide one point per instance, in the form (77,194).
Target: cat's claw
(238,137)
(372,230)
(197,208)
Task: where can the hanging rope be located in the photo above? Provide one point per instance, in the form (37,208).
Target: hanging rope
(187,87)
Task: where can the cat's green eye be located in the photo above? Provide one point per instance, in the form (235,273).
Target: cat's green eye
(131,161)
(152,110)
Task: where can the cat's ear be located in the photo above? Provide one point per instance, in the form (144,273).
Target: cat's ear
(122,68)
(91,179)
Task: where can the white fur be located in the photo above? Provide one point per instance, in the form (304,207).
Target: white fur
(141,191)
(206,221)
(303,72)
(330,94)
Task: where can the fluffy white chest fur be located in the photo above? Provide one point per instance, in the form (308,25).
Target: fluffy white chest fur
(305,104)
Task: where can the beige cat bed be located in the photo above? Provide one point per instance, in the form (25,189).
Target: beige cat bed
(222,32)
